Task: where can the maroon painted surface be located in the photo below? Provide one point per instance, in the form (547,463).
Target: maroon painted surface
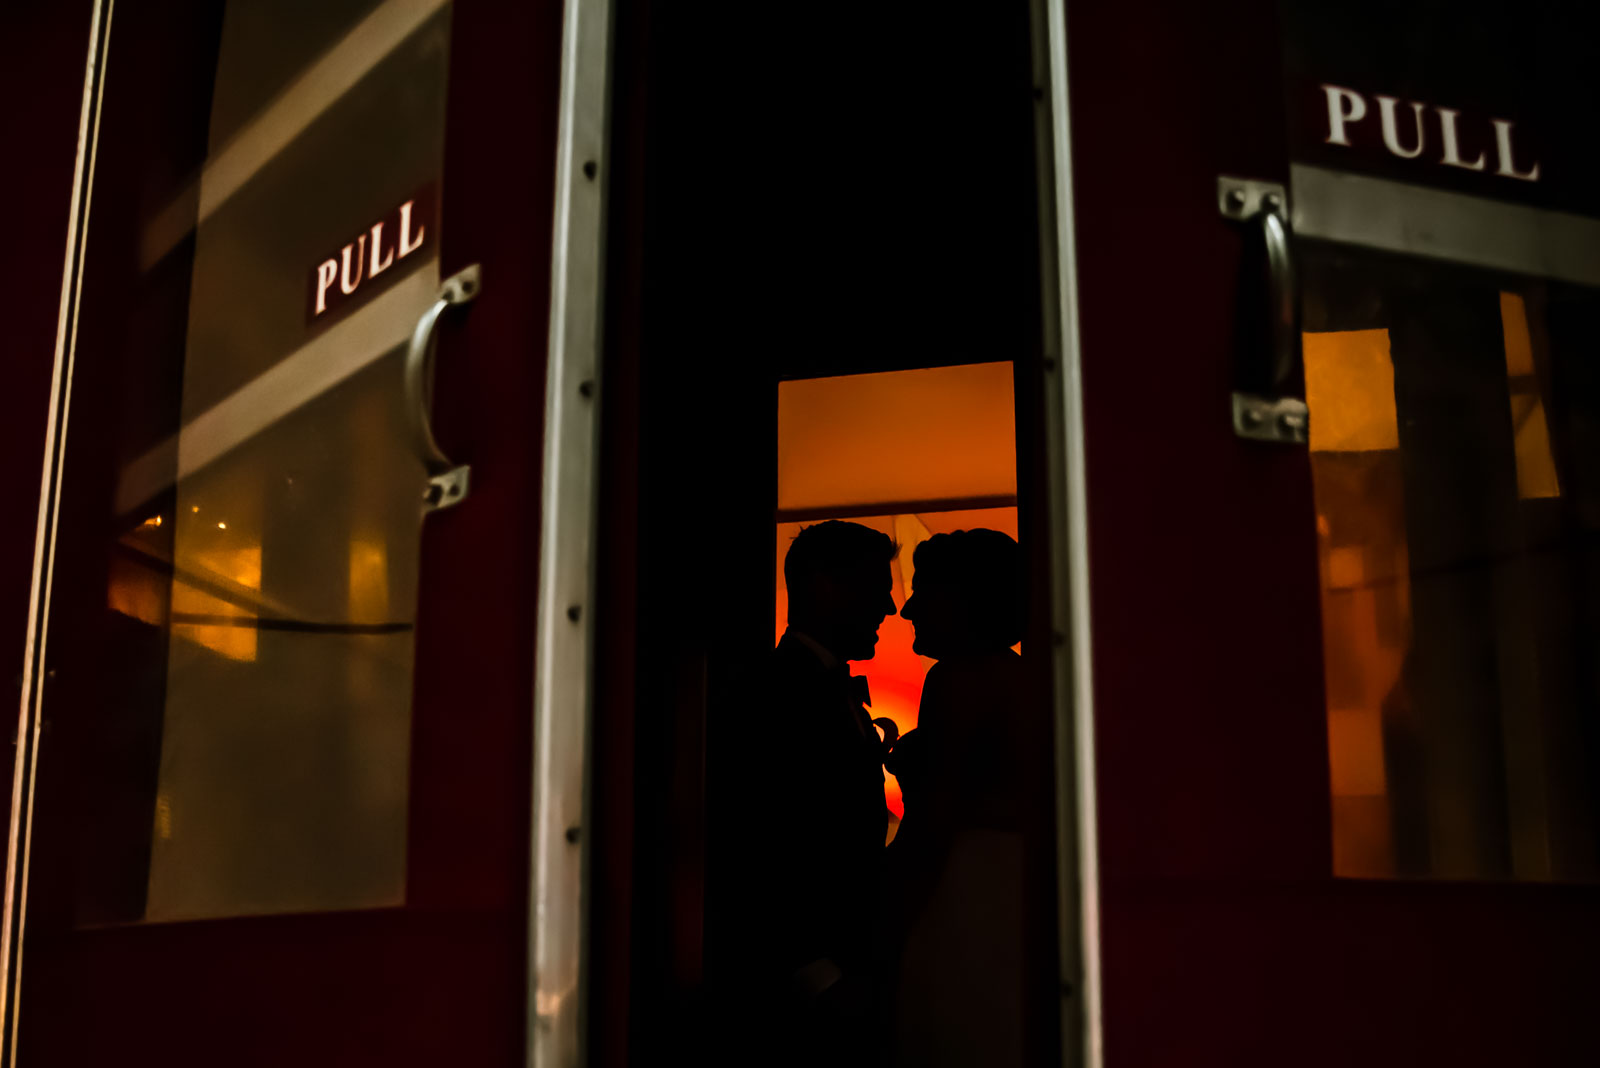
(43,144)
(442,979)
(1226,939)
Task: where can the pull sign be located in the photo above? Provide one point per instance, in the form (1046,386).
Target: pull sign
(1413,130)
(366,264)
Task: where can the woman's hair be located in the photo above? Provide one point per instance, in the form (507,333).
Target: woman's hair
(982,572)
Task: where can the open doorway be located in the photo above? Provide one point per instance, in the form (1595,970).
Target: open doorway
(841,320)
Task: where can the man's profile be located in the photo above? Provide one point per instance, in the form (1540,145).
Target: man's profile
(816,841)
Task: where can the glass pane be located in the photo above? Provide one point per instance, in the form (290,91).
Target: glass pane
(939,442)
(240,484)
(895,673)
(1453,417)
(1445,223)
(932,434)
(947,888)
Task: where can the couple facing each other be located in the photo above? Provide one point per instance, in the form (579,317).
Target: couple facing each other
(915,948)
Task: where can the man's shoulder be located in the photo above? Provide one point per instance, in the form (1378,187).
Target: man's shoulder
(798,682)
(791,657)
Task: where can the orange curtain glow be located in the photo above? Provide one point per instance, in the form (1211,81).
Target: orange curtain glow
(928,435)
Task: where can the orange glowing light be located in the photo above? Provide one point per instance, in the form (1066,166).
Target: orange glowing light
(944,437)
(895,674)
(1366,614)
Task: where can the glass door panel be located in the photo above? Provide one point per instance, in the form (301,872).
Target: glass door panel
(276,754)
(230,637)
(1448,255)
(1451,448)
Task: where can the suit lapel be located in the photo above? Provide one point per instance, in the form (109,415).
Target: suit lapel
(850,715)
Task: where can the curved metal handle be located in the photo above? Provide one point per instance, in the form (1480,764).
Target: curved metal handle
(1280,296)
(447,481)
(1280,415)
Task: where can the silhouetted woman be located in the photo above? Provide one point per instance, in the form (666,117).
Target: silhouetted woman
(956,864)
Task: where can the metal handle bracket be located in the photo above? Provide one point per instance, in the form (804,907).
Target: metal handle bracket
(1278,416)
(1245,198)
(1281,419)
(447,481)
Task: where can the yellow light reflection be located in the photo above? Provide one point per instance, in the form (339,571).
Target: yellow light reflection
(138,592)
(240,565)
(1536,465)
(1366,611)
(1350,391)
(163,817)
(369,580)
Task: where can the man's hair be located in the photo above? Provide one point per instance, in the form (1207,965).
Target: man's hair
(837,549)
(983,570)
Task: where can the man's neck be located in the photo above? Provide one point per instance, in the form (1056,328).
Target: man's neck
(823,653)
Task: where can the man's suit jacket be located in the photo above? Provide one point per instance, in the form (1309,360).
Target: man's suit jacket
(817,852)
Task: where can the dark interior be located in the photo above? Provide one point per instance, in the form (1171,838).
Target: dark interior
(821,191)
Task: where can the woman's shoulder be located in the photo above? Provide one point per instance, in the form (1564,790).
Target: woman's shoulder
(965,678)
(984,666)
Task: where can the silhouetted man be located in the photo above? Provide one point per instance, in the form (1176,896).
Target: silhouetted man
(816,853)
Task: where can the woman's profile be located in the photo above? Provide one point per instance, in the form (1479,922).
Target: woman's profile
(957,862)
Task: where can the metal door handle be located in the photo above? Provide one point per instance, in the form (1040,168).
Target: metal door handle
(1268,409)
(447,480)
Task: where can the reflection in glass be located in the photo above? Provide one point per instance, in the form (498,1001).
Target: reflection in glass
(254,636)
(1458,507)
(911,453)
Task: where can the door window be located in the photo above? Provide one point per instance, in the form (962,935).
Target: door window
(235,575)
(1446,250)
(1452,453)
(908,453)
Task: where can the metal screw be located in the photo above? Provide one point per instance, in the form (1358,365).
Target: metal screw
(1235,200)
(586,387)
(574,612)
(1250,417)
(572,835)
(1273,201)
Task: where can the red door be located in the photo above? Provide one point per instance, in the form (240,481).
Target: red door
(1344,690)
(275,778)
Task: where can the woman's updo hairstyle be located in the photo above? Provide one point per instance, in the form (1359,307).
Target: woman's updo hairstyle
(982,571)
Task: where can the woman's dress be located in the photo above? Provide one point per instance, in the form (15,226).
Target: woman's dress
(957,868)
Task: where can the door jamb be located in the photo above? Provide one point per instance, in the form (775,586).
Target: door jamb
(1077,864)
(569,536)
